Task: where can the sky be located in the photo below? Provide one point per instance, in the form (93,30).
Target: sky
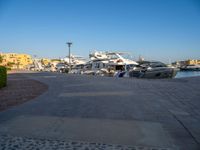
(164,30)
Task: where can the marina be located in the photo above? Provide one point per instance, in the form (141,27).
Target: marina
(99,75)
(111,64)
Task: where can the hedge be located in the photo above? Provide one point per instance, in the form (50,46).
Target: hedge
(3,76)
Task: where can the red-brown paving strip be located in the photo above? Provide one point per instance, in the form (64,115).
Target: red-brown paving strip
(19,89)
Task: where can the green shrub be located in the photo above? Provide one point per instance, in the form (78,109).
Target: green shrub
(3,76)
(8,68)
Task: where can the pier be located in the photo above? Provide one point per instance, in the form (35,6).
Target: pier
(88,112)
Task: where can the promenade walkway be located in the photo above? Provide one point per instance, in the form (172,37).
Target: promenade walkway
(89,112)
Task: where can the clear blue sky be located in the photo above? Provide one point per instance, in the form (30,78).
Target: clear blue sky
(155,29)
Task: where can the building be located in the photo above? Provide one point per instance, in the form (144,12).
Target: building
(186,62)
(45,61)
(192,62)
(16,61)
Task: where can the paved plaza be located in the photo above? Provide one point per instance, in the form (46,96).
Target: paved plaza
(91,112)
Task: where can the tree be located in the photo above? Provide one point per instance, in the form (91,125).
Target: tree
(1,59)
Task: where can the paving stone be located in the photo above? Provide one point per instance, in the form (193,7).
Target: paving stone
(173,103)
(9,142)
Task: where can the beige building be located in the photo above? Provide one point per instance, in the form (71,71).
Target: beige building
(45,61)
(16,61)
(186,62)
(192,62)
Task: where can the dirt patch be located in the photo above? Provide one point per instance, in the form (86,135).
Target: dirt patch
(19,89)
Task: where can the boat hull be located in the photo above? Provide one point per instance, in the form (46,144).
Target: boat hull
(190,69)
(158,73)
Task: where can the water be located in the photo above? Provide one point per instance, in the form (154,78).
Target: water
(182,74)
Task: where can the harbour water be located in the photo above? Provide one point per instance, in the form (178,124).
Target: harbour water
(182,74)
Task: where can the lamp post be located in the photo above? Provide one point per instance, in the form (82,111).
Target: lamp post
(69,45)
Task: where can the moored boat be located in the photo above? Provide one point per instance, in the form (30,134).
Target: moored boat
(190,68)
(110,63)
(153,70)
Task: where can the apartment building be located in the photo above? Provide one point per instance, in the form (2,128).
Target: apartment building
(16,61)
(193,62)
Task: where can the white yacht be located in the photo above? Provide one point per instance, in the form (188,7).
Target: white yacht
(190,68)
(108,63)
(153,70)
(76,62)
(120,61)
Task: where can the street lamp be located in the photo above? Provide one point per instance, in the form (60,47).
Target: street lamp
(69,45)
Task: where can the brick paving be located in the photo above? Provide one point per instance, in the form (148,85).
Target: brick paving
(19,89)
(175,104)
(9,142)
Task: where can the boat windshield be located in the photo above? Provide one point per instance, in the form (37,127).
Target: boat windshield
(152,64)
(157,64)
(126,56)
(113,56)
